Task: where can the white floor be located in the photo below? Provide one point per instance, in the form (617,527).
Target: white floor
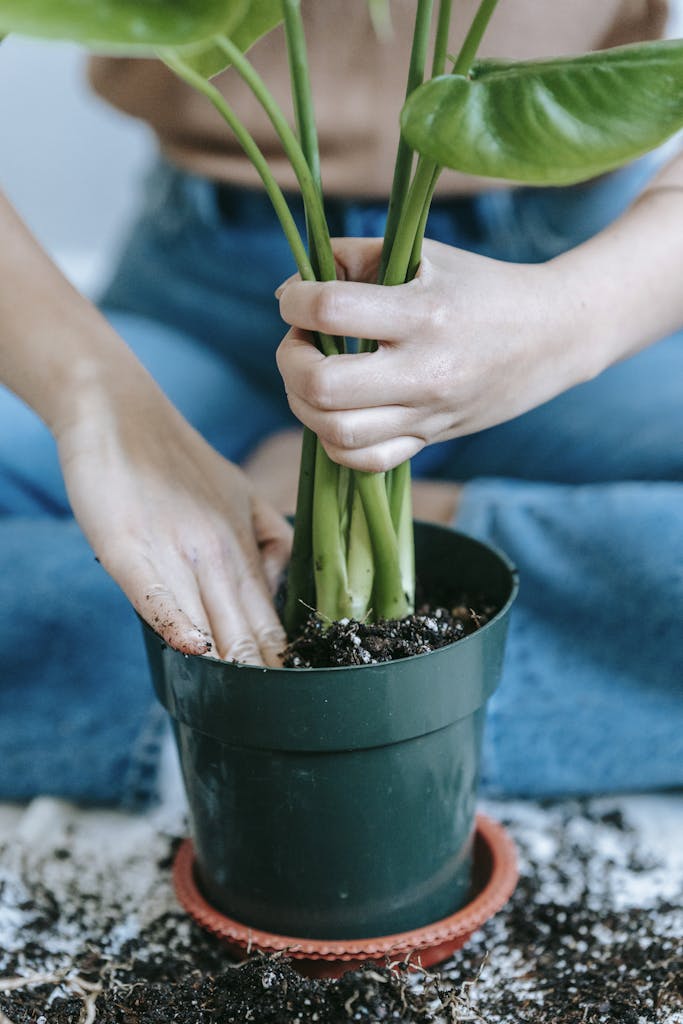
(107,873)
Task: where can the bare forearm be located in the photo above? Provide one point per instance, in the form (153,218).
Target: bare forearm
(163,511)
(626,281)
(54,345)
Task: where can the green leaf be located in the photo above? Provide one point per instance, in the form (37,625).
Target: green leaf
(550,122)
(258,18)
(122,25)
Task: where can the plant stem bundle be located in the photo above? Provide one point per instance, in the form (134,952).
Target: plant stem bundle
(353,552)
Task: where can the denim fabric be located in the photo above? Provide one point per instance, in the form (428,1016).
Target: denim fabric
(584,494)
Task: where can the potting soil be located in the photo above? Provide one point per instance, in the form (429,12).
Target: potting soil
(90,930)
(350,642)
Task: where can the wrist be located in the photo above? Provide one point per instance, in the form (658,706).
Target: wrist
(625,280)
(59,355)
(74,379)
(95,377)
(584,327)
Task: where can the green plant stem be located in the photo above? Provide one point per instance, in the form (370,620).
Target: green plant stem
(300,579)
(309,187)
(404,155)
(330,545)
(389,599)
(399,261)
(359,559)
(422,192)
(189,75)
(301,87)
(438,66)
(329,561)
(443,25)
(465,58)
(301,584)
(416,252)
(399,479)
(401,505)
(401,256)
(462,65)
(302,97)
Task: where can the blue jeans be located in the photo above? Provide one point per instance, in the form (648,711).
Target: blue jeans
(584,493)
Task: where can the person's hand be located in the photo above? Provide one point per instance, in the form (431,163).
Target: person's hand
(273,468)
(176,525)
(469,343)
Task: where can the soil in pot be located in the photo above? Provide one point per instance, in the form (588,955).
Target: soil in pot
(350,642)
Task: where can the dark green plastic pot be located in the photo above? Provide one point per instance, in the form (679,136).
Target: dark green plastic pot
(339,803)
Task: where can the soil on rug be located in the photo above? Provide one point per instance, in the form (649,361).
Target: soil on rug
(593,935)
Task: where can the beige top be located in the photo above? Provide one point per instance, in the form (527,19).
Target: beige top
(358,84)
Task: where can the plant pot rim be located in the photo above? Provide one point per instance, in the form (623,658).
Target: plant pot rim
(472,637)
(248,706)
(431,943)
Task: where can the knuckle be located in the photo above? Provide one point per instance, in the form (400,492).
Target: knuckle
(325,309)
(281,358)
(378,462)
(318,389)
(294,403)
(431,394)
(340,432)
(370,460)
(338,455)
(212,553)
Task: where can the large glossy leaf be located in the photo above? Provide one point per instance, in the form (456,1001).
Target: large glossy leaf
(258,18)
(123,25)
(551,122)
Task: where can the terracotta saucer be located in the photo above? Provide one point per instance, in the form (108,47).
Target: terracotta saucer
(495,877)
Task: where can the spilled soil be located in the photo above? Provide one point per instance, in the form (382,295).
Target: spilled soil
(593,934)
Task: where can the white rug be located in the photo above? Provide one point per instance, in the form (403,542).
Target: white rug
(592,935)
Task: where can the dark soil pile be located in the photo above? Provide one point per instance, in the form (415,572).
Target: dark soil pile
(593,935)
(349,642)
(266,990)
